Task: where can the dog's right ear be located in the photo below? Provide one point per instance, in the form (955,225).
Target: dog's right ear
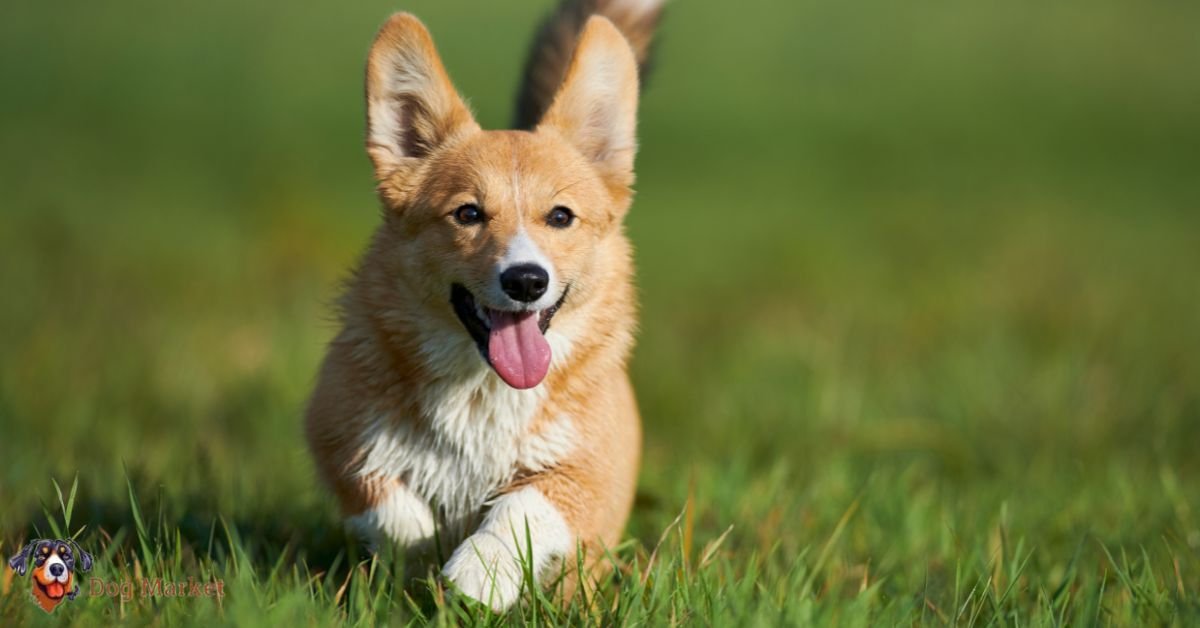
(20,562)
(412,107)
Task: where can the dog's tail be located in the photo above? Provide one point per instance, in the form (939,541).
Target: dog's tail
(555,42)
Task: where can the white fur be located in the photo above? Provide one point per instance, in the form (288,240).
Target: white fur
(523,250)
(560,347)
(471,438)
(522,528)
(637,6)
(55,560)
(402,515)
(464,449)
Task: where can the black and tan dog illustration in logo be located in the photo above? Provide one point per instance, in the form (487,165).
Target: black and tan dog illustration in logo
(53,563)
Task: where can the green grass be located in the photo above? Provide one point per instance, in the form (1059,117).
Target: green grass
(919,340)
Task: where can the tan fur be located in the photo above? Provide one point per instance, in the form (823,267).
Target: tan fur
(556,40)
(401,345)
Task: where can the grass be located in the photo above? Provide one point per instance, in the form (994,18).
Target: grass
(918,341)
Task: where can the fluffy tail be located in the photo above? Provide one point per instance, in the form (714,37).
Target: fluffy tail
(555,41)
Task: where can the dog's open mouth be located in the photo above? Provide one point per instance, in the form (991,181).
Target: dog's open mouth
(513,343)
(54,590)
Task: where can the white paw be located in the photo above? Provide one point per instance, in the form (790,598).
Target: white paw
(401,516)
(522,527)
(484,568)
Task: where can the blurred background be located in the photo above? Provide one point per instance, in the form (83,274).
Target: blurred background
(938,257)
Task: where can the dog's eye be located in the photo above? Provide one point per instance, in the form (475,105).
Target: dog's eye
(560,217)
(468,214)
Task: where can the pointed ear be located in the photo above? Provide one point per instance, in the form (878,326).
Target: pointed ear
(412,108)
(595,109)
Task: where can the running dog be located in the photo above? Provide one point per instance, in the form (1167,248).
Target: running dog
(477,392)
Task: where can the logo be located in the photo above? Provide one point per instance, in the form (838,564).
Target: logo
(52,564)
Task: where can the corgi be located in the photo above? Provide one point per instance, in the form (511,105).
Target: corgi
(476,401)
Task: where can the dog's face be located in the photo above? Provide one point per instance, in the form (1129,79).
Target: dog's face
(502,227)
(497,230)
(52,564)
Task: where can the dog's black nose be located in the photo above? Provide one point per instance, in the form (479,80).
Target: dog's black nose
(525,282)
(56,569)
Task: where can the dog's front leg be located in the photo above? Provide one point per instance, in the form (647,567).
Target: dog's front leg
(523,530)
(392,511)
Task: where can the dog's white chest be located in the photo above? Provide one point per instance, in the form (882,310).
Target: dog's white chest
(465,445)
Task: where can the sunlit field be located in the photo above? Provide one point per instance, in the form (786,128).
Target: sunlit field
(920,330)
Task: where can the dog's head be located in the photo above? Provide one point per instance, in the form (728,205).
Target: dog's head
(53,564)
(498,232)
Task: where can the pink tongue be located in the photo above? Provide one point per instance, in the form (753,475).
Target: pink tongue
(517,349)
(54,590)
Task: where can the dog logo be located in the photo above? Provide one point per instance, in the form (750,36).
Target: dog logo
(53,563)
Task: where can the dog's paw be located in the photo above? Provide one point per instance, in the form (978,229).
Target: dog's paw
(401,517)
(485,569)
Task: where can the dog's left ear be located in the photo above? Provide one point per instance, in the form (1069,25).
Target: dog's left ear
(85,559)
(595,109)
(20,562)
